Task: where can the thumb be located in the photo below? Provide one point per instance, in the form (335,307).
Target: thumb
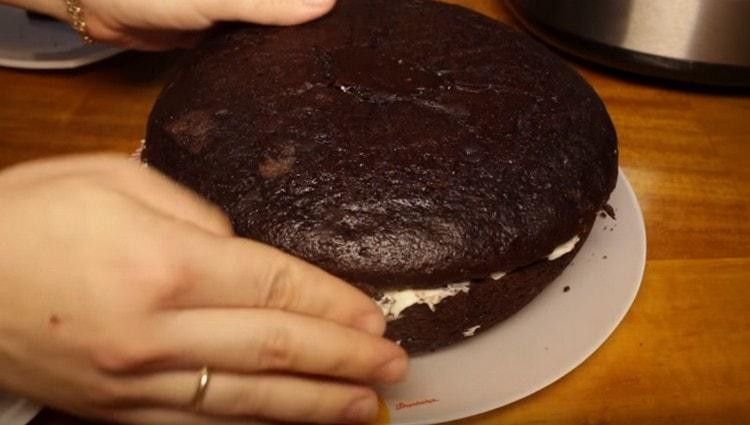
(266,12)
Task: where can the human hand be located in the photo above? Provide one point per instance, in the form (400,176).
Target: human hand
(117,286)
(160,25)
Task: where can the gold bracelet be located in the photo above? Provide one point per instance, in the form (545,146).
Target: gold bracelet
(77,22)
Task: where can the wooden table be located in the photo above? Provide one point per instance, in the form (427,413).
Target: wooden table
(682,354)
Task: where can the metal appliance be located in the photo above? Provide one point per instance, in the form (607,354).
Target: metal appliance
(704,41)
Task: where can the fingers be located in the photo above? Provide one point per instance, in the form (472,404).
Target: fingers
(233,272)
(157,416)
(260,340)
(267,12)
(275,397)
(171,199)
(154,39)
(147,186)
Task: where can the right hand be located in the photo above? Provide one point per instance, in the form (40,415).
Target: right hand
(117,286)
(160,25)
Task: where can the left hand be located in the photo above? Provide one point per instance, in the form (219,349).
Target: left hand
(117,286)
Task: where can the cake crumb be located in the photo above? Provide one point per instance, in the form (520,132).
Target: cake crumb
(610,211)
(604,257)
(566,289)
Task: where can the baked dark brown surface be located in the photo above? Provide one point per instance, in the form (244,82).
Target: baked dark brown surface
(393,143)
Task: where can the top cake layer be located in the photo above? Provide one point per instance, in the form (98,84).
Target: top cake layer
(394,143)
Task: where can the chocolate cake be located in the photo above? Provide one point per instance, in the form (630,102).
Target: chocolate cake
(441,162)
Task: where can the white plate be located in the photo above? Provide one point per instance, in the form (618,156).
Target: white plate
(16,411)
(38,44)
(555,333)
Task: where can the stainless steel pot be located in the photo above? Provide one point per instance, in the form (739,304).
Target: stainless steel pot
(706,41)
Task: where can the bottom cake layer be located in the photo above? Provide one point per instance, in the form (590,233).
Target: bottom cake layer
(421,329)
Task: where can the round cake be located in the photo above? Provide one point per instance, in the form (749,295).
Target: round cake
(439,161)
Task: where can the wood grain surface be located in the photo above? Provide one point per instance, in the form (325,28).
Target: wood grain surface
(682,354)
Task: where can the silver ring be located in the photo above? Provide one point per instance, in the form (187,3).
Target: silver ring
(200,392)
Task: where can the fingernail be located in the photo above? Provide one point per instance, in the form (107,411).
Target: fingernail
(362,410)
(372,323)
(393,371)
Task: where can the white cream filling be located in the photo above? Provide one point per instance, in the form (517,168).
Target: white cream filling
(471,331)
(394,302)
(138,154)
(564,248)
(497,275)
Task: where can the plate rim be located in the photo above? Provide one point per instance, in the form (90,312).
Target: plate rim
(588,352)
(70,63)
(80,56)
(23,408)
